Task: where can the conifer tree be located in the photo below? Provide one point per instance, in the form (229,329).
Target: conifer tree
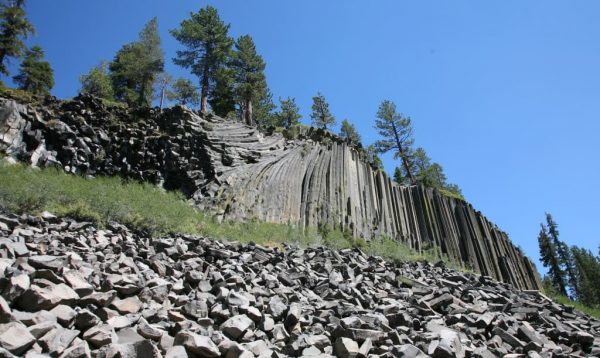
(222,97)
(587,268)
(14,28)
(320,115)
(349,134)
(250,82)
(97,82)
(373,157)
(263,109)
(396,131)
(137,66)
(398,176)
(550,260)
(35,74)
(184,92)
(563,255)
(164,81)
(207,45)
(288,114)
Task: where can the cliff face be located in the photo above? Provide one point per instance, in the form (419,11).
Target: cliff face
(239,173)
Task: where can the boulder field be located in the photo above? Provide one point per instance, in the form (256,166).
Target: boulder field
(69,289)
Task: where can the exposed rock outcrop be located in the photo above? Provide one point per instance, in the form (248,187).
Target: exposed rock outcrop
(238,172)
(68,289)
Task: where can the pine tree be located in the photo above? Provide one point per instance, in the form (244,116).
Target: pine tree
(250,82)
(263,109)
(97,82)
(550,260)
(222,97)
(398,176)
(184,92)
(373,157)
(35,74)
(396,131)
(208,47)
(349,134)
(14,28)
(320,115)
(563,255)
(587,268)
(136,67)
(289,113)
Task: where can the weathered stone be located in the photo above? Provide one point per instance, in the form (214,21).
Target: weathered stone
(99,336)
(236,326)
(196,344)
(346,348)
(127,305)
(38,298)
(57,340)
(79,350)
(15,338)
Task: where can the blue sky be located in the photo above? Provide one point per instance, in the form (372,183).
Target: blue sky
(503,94)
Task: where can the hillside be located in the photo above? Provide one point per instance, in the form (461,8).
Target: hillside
(306,178)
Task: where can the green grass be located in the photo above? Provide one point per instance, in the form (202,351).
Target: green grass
(594,312)
(150,209)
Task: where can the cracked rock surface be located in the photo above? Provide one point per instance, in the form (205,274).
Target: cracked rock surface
(63,294)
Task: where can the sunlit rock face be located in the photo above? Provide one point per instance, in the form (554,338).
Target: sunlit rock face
(308,178)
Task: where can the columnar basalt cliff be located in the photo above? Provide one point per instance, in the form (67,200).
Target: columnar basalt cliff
(309,178)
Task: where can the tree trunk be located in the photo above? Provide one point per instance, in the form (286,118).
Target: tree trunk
(162,97)
(403,156)
(204,93)
(248,113)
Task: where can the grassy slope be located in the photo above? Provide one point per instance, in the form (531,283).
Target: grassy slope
(151,209)
(148,208)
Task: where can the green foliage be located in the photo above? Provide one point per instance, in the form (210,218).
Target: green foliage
(289,113)
(263,110)
(207,45)
(222,98)
(97,82)
(586,276)
(349,134)
(35,74)
(184,92)
(14,29)
(397,134)
(136,67)
(398,176)
(549,290)
(250,83)
(550,260)
(321,117)
(373,157)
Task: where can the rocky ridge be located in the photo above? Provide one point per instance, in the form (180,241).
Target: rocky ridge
(69,289)
(310,178)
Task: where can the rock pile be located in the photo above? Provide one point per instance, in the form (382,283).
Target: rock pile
(69,289)
(309,179)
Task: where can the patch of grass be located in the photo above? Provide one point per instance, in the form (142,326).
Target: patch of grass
(18,95)
(451,194)
(147,208)
(594,312)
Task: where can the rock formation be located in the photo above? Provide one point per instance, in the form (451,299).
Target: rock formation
(68,289)
(309,178)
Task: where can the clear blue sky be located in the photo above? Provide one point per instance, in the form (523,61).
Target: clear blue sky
(504,94)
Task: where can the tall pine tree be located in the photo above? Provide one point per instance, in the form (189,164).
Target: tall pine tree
(549,259)
(397,134)
(14,29)
(250,82)
(321,116)
(136,67)
(35,74)
(208,47)
(97,82)
(289,113)
(563,255)
(587,268)
(349,134)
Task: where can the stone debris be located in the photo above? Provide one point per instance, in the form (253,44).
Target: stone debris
(137,298)
(307,178)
